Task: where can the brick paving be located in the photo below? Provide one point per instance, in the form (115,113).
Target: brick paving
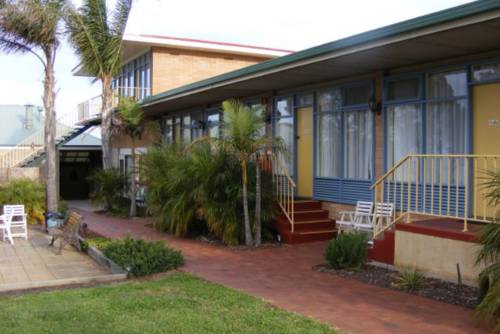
(283,276)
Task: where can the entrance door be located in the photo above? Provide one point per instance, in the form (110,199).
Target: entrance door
(304,152)
(486,137)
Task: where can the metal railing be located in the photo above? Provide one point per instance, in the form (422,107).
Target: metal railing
(447,186)
(91,109)
(284,186)
(35,143)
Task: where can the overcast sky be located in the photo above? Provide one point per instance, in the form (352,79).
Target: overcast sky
(291,24)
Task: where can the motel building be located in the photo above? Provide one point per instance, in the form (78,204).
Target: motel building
(406,117)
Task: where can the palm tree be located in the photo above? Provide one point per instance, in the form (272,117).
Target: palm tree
(32,26)
(242,135)
(489,255)
(97,38)
(131,122)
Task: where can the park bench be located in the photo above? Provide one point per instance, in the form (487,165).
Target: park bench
(69,232)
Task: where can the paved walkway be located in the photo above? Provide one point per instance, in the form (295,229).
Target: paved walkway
(283,277)
(34,261)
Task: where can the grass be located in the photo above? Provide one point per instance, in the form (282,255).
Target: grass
(179,303)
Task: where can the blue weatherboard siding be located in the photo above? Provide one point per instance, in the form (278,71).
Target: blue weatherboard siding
(342,191)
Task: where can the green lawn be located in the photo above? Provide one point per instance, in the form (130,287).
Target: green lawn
(179,303)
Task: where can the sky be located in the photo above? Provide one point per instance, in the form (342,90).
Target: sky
(291,24)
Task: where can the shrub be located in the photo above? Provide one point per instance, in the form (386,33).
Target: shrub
(27,192)
(108,187)
(63,208)
(143,258)
(201,185)
(347,251)
(410,279)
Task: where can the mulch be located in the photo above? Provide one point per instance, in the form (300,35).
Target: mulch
(440,290)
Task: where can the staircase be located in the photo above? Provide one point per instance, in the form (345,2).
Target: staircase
(311,223)
(31,151)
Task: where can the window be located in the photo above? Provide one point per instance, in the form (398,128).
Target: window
(177,129)
(485,73)
(197,125)
(213,124)
(134,78)
(186,129)
(260,110)
(344,128)
(431,122)
(284,129)
(168,132)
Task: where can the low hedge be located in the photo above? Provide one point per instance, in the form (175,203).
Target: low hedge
(141,258)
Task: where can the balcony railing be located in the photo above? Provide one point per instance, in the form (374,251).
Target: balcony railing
(91,109)
(447,186)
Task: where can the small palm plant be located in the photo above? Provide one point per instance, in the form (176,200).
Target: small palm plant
(242,136)
(131,122)
(489,255)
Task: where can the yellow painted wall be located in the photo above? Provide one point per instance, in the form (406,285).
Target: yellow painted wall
(437,256)
(305,152)
(486,137)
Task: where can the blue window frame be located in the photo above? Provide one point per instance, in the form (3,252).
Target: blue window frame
(134,79)
(344,143)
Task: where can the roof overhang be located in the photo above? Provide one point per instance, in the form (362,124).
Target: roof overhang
(457,32)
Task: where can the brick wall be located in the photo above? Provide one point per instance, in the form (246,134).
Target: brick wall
(172,68)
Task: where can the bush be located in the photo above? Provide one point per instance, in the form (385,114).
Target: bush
(143,258)
(200,189)
(108,187)
(410,279)
(27,192)
(347,251)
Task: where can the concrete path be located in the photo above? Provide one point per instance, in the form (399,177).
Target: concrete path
(283,277)
(33,261)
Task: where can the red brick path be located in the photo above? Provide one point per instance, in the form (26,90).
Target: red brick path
(283,277)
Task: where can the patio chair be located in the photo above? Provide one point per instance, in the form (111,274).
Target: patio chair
(5,223)
(383,211)
(361,215)
(19,226)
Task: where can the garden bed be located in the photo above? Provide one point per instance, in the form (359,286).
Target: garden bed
(433,288)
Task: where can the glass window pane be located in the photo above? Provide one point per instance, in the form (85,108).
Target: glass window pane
(329,100)
(328,143)
(305,100)
(486,72)
(168,135)
(403,132)
(186,129)
(260,110)
(196,125)
(356,95)
(358,145)
(284,107)
(177,129)
(284,130)
(403,89)
(446,126)
(213,125)
(445,85)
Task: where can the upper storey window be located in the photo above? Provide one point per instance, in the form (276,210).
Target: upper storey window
(134,79)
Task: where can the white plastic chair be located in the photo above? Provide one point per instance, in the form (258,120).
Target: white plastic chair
(5,225)
(383,211)
(19,225)
(361,215)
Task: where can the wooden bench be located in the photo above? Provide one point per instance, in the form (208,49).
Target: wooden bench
(69,233)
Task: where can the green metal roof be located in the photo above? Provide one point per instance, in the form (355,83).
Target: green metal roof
(426,21)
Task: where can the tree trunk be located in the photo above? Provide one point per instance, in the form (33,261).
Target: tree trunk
(133,188)
(248,230)
(49,97)
(258,203)
(106,117)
